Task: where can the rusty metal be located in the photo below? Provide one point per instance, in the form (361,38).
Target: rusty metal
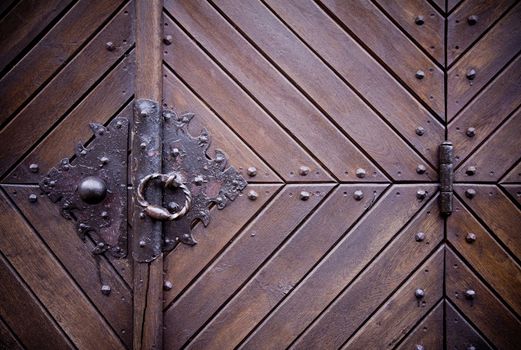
(252,195)
(210,180)
(252,171)
(446,177)
(92,188)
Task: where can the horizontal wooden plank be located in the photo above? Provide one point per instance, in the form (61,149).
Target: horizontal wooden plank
(25,22)
(269,86)
(486,58)
(363,297)
(485,310)
(26,317)
(50,53)
(401,312)
(177,96)
(364,73)
(327,90)
(66,88)
(51,284)
(485,255)
(428,333)
(460,333)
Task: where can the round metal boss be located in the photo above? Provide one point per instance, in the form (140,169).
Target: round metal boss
(92,190)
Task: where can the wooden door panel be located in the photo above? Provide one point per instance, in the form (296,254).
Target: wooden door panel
(428,333)
(460,333)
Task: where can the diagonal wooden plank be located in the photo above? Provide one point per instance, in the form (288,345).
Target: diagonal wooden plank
(65,89)
(281,98)
(245,254)
(185,263)
(514,191)
(486,58)
(514,175)
(440,5)
(50,53)
(51,284)
(228,100)
(496,156)
(451,4)
(180,98)
(364,73)
(328,90)
(347,313)
(23,23)
(27,318)
(89,271)
(485,255)
(392,47)
(323,283)
(460,334)
(469,22)
(428,333)
(7,338)
(422,22)
(401,312)
(484,310)
(98,107)
(486,112)
(497,212)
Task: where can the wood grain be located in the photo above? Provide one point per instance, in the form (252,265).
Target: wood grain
(428,333)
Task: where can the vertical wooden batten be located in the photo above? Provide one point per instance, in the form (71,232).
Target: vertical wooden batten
(148,276)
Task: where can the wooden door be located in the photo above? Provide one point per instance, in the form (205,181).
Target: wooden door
(334,112)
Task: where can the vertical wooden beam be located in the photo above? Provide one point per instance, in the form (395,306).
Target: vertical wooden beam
(148,276)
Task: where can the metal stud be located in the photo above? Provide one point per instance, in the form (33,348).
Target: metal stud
(252,171)
(419,293)
(92,190)
(142,243)
(252,195)
(471,170)
(105,289)
(167,285)
(470,193)
(104,215)
(419,20)
(175,152)
(198,180)
(303,170)
(471,74)
(421,169)
(421,194)
(104,160)
(471,347)
(34,168)
(470,294)
(419,347)
(110,46)
(420,75)
(143,145)
(420,131)
(33,198)
(167,39)
(358,195)
(173,207)
(304,195)
(471,237)
(471,132)
(419,237)
(472,20)
(360,173)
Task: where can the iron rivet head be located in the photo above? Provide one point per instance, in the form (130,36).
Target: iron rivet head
(421,194)
(419,347)
(419,293)
(167,39)
(419,20)
(105,289)
(252,195)
(470,193)
(186,236)
(142,215)
(420,75)
(198,180)
(172,207)
(419,237)
(303,170)
(472,20)
(92,190)
(119,124)
(471,347)
(143,145)
(421,169)
(167,285)
(358,195)
(33,198)
(471,170)
(471,132)
(470,294)
(252,171)
(471,237)
(110,46)
(33,168)
(142,243)
(104,214)
(175,152)
(471,74)
(143,113)
(104,160)
(304,195)
(420,131)
(360,173)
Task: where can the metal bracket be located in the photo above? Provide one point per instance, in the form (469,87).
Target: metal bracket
(92,189)
(446,177)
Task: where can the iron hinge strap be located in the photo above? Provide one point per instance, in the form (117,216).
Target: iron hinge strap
(446,177)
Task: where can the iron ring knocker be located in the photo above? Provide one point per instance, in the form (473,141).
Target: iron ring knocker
(169,181)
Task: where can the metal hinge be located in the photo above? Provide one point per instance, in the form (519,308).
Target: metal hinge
(446,177)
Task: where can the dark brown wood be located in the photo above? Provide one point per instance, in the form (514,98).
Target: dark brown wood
(428,333)
(460,333)
(7,338)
